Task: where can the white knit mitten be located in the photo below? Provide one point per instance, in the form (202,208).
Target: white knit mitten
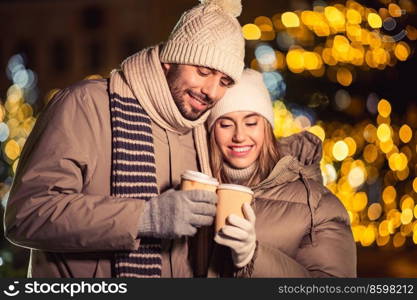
(240,236)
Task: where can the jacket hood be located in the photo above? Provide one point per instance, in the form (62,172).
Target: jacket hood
(300,159)
(300,156)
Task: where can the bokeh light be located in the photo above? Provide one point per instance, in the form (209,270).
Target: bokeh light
(251,32)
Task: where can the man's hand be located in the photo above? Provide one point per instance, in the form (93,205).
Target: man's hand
(177,213)
(239,235)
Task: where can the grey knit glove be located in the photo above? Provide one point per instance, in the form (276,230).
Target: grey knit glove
(177,213)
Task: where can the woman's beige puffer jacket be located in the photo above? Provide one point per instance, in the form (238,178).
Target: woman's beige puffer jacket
(302,229)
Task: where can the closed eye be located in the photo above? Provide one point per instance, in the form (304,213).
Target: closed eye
(203,71)
(227,82)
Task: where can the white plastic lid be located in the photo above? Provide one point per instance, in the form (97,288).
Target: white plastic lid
(199,177)
(235,187)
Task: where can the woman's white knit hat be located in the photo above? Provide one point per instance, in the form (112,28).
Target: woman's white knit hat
(250,94)
(208,35)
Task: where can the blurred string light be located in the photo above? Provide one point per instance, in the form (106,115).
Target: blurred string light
(344,37)
(275,84)
(16,119)
(22,77)
(377,158)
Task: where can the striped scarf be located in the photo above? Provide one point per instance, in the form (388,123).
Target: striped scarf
(134,176)
(138,93)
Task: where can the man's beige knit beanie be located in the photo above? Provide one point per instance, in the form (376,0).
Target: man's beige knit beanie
(208,35)
(250,94)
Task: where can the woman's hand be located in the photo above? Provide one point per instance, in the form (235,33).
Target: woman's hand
(239,235)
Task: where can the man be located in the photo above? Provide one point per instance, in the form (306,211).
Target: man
(93,196)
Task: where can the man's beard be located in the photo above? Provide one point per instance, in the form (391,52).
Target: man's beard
(178,94)
(189,115)
(193,114)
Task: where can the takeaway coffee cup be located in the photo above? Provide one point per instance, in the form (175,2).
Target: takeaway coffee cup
(192,180)
(230,201)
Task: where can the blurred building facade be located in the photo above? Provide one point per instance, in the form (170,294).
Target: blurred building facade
(66,40)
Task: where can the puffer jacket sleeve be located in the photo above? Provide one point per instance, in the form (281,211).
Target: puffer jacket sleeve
(333,251)
(269,262)
(47,208)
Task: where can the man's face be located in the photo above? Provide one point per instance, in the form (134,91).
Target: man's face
(195,89)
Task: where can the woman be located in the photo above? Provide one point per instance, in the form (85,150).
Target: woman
(294,227)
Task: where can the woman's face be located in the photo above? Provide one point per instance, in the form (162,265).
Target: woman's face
(240,136)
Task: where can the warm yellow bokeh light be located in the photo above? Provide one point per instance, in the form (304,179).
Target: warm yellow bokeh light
(353,16)
(394,220)
(262,20)
(383,228)
(341,44)
(405,133)
(370,153)
(12,149)
(402,162)
(351,144)
(312,61)
(358,231)
(403,174)
(406,216)
(308,18)
(383,133)
(407,202)
(354,33)
(380,56)
(318,131)
(328,57)
(295,60)
(340,150)
(290,19)
(356,177)
(398,161)
(280,60)
(360,200)
(389,194)
(406,230)
(398,240)
(369,133)
(384,108)
(374,20)
(387,146)
(368,236)
(251,32)
(382,240)
(394,10)
(374,211)
(402,51)
(334,16)
(344,76)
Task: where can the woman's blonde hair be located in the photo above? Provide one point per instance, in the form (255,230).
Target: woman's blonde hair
(267,159)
